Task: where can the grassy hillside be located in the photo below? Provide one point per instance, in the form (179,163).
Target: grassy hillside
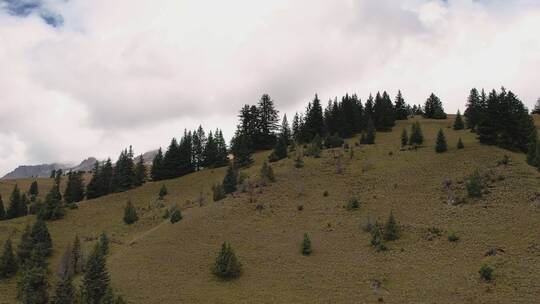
(154,261)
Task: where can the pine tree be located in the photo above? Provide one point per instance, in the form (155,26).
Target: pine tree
(76,256)
(140,172)
(34,190)
(218,192)
(305,248)
(199,143)
(404,137)
(163,192)
(458,122)
(267,174)
(2,210)
(440,146)
(384,115)
(368,137)
(175,215)
(33,283)
(130,213)
(41,238)
(15,208)
(8,263)
(285,131)
(391,229)
(460,144)
(96,278)
(230,180)
(123,177)
(53,208)
(157,166)
(268,122)
(475,109)
(433,108)
(75,188)
(369,108)
(417,138)
(536,109)
(104,244)
(314,123)
(227,265)
(241,151)
(93,188)
(65,292)
(401,108)
(24,249)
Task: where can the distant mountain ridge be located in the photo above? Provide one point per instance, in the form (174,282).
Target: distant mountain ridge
(44,170)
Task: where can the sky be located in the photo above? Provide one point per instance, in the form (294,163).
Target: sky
(89,78)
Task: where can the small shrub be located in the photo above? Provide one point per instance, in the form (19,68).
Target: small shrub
(130,214)
(325,193)
(377,239)
(306,245)
(298,162)
(227,265)
(391,229)
(267,174)
(300,207)
(352,204)
(175,214)
(163,192)
(486,273)
(475,185)
(333,141)
(453,237)
(460,144)
(218,192)
(504,161)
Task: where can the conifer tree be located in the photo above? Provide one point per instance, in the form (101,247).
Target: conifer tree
(536,109)
(8,263)
(230,180)
(241,151)
(458,122)
(210,152)
(106,178)
(369,108)
(130,213)
(404,137)
(368,137)
(199,143)
(123,177)
(76,256)
(305,248)
(441,146)
(402,112)
(267,174)
(140,172)
(2,210)
(314,122)
(460,144)
(157,166)
(74,191)
(104,244)
(41,239)
(268,122)
(96,278)
(175,215)
(33,283)
(34,190)
(434,108)
(65,292)
(93,188)
(384,115)
(391,229)
(16,207)
(475,109)
(52,208)
(417,138)
(163,192)
(218,192)
(24,249)
(285,131)
(227,265)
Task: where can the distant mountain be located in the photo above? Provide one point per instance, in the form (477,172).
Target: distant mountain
(44,170)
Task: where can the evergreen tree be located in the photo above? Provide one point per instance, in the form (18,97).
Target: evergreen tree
(41,239)
(123,177)
(2,210)
(218,192)
(506,122)
(536,109)
(369,108)
(76,256)
(16,205)
(34,190)
(458,123)
(93,189)
(163,192)
(33,283)
(285,132)
(314,124)
(402,113)
(280,150)
(266,173)
(391,229)
(533,152)
(440,146)
(434,108)
(24,250)
(368,137)
(475,109)
(96,278)
(157,166)
(384,115)
(74,191)
(53,208)
(210,152)
(460,144)
(227,265)
(199,143)
(417,138)
(404,137)
(8,262)
(241,151)
(106,178)
(268,122)
(175,215)
(65,291)
(185,150)
(230,180)
(140,172)
(104,244)
(305,248)
(130,213)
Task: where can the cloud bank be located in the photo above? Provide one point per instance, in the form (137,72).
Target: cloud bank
(83,78)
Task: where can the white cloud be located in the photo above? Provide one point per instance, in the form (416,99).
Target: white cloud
(137,72)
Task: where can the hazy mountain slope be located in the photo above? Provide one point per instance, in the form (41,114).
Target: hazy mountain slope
(154,261)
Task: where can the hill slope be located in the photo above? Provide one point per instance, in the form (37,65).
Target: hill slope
(154,261)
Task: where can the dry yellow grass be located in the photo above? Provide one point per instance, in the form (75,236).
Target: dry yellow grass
(154,261)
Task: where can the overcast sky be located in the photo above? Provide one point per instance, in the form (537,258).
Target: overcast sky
(83,78)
